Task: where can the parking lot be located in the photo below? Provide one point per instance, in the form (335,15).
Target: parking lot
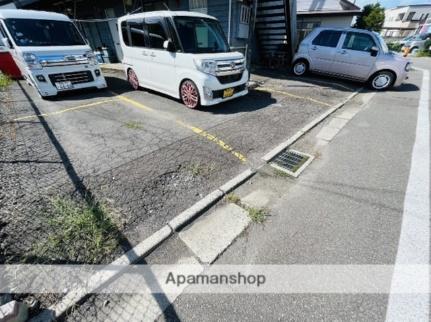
(143,154)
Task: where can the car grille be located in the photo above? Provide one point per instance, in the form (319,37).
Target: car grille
(236,89)
(229,78)
(75,77)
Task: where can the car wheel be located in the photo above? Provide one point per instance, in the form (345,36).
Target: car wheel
(189,94)
(382,80)
(414,51)
(133,79)
(300,67)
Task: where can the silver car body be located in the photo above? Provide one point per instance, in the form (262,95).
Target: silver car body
(418,42)
(351,64)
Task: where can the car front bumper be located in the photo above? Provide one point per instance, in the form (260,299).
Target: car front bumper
(81,77)
(211,90)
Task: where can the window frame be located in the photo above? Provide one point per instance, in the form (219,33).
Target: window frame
(346,35)
(331,31)
(165,29)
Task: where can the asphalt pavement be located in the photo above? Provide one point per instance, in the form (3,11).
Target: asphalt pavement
(346,208)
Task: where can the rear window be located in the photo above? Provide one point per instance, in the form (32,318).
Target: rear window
(327,38)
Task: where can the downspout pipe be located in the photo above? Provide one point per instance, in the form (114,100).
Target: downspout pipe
(229,22)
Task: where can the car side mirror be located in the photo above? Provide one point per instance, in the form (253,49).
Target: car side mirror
(374,51)
(5,42)
(169,46)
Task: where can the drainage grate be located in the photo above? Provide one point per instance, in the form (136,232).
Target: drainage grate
(291,162)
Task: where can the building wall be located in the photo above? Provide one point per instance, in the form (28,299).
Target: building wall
(307,23)
(403,21)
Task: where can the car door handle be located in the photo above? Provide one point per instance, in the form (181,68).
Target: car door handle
(313,48)
(144,53)
(153,55)
(342,52)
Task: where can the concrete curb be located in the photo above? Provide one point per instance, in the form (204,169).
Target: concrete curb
(152,242)
(271,154)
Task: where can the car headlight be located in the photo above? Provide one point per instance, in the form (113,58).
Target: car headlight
(32,61)
(206,66)
(92,59)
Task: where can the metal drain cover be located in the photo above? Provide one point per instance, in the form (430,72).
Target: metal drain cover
(291,162)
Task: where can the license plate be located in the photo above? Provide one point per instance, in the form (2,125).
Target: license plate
(228,92)
(64,85)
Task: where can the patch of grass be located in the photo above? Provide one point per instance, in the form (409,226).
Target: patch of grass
(257,215)
(80,233)
(201,169)
(133,125)
(280,173)
(423,53)
(5,81)
(233,198)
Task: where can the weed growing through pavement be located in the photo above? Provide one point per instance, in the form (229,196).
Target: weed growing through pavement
(81,233)
(200,169)
(257,215)
(5,81)
(280,173)
(133,125)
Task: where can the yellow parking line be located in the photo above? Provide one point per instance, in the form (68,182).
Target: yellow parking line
(270,90)
(62,111)
(214,139)
(194,129)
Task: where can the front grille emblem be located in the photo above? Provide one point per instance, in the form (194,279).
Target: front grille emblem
(232,65)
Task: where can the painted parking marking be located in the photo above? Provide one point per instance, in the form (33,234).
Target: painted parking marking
(211,138)
(69,109)
(270,90)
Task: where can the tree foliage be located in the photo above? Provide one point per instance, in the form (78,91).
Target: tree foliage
(371,17)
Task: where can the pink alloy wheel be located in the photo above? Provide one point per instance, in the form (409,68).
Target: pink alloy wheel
(133,79)
(189,94)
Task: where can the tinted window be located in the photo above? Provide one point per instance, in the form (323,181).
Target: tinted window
(137,33)
(327,38)
(156,33)
(35,32)
(125,32)
(358,41)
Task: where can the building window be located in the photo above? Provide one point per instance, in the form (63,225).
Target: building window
(400,17)
(304,28)
(410,16)
(198,6)
(245,15)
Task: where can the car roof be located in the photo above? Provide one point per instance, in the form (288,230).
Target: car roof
(165,13)
(345,29)
(31,14)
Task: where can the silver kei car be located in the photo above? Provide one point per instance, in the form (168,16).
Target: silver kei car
(354,54)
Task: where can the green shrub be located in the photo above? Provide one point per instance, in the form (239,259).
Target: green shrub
(394,46)
(4,81)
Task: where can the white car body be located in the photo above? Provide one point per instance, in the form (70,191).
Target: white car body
(164,71)
(50,69)
(352,63)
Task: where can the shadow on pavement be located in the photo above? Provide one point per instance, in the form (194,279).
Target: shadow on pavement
(88,197)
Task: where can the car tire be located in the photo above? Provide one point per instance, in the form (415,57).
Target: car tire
(414,51)
(189,94)
(382,80)
(133,79)
(300,67)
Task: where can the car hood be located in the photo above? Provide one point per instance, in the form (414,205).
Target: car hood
(220,56)
(55,52)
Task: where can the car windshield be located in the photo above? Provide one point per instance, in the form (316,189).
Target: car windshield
(382,43)
(34,32)
(201,35)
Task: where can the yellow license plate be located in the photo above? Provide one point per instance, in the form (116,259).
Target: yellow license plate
(228,92)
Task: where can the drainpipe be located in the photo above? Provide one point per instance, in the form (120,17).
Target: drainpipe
(228,22)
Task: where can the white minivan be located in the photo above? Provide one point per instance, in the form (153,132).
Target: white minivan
(50,52)
(182,54)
